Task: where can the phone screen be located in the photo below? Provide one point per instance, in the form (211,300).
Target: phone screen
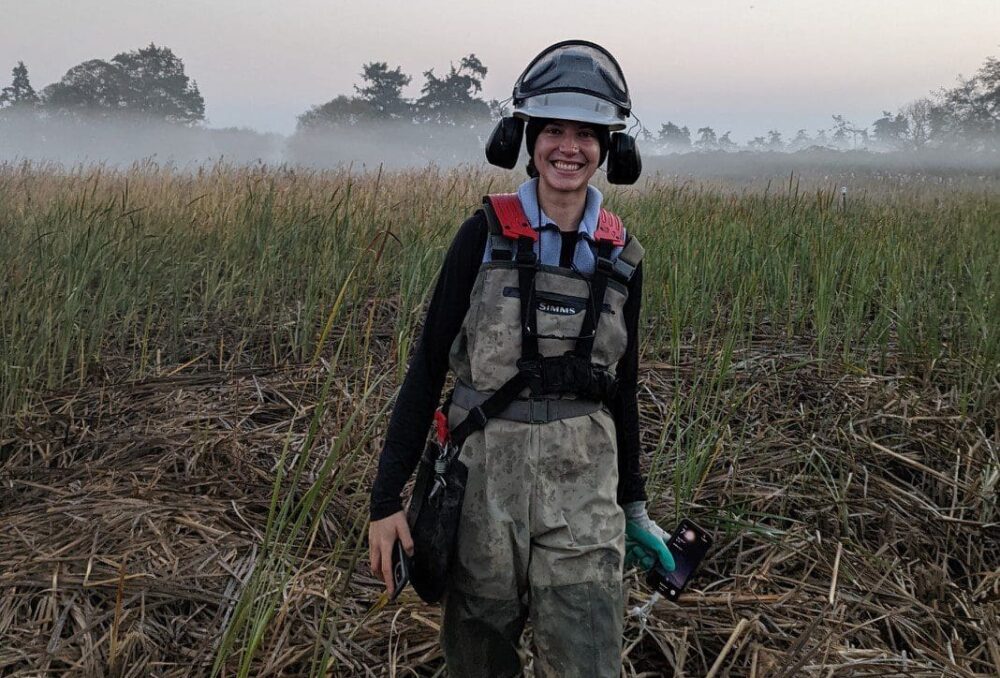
(688,545)
(400,569)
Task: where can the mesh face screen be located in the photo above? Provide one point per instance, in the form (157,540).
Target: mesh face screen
(575,67)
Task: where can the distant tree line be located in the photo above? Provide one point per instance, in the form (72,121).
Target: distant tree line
(149,82)
(965,117)
(452,99)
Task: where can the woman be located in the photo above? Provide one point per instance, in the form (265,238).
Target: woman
(553,308)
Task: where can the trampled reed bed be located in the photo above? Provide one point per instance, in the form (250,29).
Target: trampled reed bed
(196,368)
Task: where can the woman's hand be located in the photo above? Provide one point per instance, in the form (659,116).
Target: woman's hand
(382,535)
(645,541)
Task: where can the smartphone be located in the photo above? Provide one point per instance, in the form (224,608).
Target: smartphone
(400,569)
(688,545)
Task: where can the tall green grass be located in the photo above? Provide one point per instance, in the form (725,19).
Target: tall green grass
(125,274)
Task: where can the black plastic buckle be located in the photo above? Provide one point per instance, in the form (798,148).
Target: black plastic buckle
(530,366)
(525,256)
(623,270)
(478,417)
(534,374)
(606,266)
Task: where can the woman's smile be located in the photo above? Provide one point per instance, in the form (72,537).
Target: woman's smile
(567,166)
(566,155)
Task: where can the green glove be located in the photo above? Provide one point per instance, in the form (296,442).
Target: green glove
(646,548)
(645,541)
(637,556)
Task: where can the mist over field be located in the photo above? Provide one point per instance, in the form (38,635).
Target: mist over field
(399,145)
(141,106)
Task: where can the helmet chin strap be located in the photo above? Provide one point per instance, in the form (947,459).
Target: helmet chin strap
(636,122)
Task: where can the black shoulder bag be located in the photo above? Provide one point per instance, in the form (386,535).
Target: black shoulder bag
(434,512)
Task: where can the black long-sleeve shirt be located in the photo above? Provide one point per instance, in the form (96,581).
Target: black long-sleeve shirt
(421,389)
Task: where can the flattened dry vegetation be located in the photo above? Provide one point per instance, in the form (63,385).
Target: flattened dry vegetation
(197,370)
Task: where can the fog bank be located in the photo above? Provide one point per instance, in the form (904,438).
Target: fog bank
(401,145)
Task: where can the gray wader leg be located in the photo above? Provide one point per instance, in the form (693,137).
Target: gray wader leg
(540,523)
(480,636)
(578,629)
(578,543)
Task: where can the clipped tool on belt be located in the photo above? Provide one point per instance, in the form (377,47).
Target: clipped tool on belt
(445,453)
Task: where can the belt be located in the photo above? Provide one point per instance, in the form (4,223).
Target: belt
(527,410)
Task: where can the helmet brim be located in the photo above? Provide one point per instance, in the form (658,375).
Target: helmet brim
(573,106)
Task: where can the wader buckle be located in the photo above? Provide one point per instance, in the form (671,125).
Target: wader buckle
(538,411)
(605,265)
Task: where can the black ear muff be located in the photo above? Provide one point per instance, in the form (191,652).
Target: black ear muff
(624,163)
(504,144)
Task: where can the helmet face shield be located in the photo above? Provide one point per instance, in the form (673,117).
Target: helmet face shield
(574,80)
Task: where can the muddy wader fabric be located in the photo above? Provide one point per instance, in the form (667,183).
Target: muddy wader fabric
(541,532)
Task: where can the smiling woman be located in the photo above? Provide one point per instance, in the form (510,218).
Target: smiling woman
(536,311)
(565,157)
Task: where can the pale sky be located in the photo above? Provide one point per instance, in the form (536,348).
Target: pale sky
(743,66)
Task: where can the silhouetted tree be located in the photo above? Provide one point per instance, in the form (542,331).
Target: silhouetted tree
(452,99)
(727,144)
(20,93)
(891,131)
(707,140)
(342,111)
(94,86)
(156,85)
(150,82)
(774,141)
(382,90)
(846,134)
(918,121)
(674,139)
(800,141)
(969,114)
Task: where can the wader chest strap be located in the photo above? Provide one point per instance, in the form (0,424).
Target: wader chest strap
(528,410)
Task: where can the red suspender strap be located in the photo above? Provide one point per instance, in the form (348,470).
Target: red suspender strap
(514,224)
(509,213)
(610,229)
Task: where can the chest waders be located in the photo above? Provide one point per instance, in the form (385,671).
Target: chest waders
(540,531)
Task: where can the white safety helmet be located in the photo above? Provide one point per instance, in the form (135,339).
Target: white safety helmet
(574,80)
